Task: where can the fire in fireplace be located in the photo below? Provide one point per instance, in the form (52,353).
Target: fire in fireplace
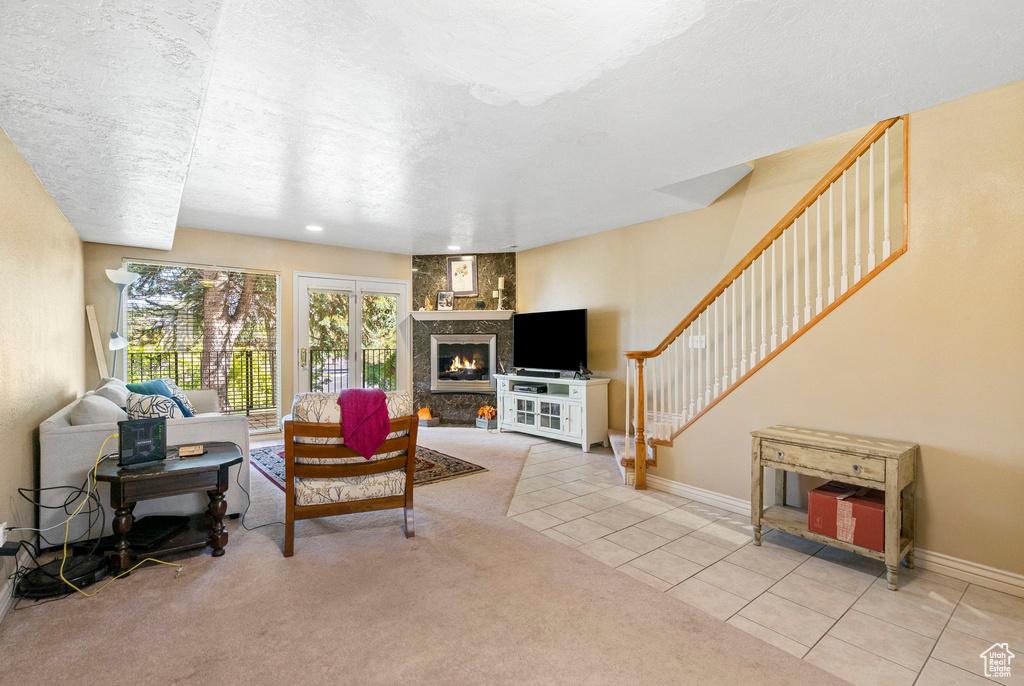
(462,362)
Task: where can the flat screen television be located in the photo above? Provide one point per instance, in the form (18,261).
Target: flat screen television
(550,340)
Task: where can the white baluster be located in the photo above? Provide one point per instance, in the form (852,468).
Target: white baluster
(714,364)
(666,408)
(743,320)
(718,346)
(677,396)
(831,247)
(871,207)
(807,270)
(707,356)
(764,306)
(629,404)
(735,338)
(651,408)
(844,280)
(753,314)
(775,299)
(691,360)
(664,392)
(663,406)
(684,379)
(886,245)
(796,277)
(725,338)
(856,222)
(819,299)
(785,315)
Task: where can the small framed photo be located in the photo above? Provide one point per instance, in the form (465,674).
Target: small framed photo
(445,301)
(462,275)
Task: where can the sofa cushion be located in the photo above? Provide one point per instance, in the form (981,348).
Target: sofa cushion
(110,379)
(159,387)
(95,409)
(187,408)
(114,392)
(150,406)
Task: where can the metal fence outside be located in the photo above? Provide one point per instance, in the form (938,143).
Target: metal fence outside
(248,383)
(329,373)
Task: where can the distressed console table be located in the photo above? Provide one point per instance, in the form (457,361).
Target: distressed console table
(872,462)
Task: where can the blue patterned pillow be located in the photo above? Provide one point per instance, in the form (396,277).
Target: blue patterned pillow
(151,406)
(187,408)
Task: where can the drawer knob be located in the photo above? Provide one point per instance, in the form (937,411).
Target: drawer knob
(856,469)
(781,454)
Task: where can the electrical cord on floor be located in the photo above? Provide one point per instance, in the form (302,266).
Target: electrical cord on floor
(89,492)
(248,502)
(67,532)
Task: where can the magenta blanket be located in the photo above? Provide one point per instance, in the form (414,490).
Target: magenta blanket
(364,419)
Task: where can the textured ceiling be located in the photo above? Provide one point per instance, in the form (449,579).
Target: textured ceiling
(482,123)
(103,99)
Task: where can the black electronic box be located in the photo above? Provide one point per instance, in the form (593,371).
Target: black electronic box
(143,441)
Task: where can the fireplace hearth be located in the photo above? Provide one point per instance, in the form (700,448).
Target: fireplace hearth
(462,363)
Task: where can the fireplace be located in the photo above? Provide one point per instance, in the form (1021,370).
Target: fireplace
(462,363)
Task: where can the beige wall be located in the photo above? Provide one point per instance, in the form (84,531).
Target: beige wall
(43,315)
(235,250)
(929,351)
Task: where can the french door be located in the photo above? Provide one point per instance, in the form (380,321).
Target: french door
(351,333)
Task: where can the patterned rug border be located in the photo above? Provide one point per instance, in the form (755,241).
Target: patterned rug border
(276,449)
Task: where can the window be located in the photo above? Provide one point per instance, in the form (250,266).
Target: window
(207,327)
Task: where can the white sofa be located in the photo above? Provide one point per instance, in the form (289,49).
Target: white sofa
(68,452)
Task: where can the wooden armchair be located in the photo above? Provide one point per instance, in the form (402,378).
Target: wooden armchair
(323,477)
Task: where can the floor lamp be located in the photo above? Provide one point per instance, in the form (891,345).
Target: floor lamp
(123,278)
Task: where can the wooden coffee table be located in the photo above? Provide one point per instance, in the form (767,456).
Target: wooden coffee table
(173,476)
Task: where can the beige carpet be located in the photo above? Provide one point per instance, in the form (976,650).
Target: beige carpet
(475,598)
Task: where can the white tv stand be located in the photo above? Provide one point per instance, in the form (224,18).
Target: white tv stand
(572,410)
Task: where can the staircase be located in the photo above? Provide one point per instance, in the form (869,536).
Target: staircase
(835,240)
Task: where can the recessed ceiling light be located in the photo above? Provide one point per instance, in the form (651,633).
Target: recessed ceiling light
(454,247)
(314,227)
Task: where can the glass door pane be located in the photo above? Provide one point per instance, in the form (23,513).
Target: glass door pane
(526,411)
(379,316)
(328,366)
(551,416)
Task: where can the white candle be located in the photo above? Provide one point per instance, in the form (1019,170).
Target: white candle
(501,283)
(494,294)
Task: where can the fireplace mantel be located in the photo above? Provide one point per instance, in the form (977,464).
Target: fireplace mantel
(462,315)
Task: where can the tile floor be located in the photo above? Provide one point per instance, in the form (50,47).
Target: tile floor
(819,603)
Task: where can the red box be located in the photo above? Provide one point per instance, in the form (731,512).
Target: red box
(848,513)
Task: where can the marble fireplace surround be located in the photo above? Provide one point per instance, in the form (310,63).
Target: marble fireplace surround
(455,408)
(430,276)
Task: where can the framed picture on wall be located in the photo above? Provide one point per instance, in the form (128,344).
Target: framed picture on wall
(445,301)
(462,275)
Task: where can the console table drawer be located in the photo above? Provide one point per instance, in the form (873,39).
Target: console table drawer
(172,484)
(840,464)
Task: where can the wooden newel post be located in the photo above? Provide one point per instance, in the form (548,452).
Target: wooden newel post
(640,463)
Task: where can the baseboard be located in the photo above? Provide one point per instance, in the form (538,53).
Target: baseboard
(726,502)
(972,572)
(6,601)
(965,570)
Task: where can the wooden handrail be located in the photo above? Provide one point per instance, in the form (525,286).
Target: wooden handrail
(830,177)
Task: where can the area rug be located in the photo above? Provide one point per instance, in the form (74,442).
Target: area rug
(431,466)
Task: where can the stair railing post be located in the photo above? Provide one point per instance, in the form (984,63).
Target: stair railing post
(640,462)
